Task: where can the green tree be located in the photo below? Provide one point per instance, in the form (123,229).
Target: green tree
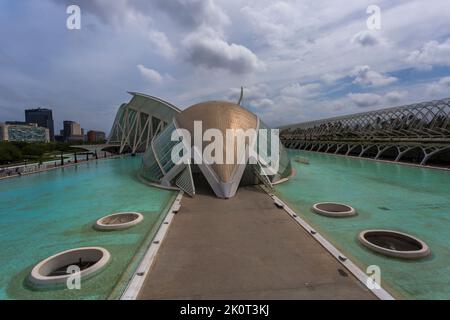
(34,149)
(9,153)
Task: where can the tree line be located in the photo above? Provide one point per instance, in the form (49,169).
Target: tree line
(16,152)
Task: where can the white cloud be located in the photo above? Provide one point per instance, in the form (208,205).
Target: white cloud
(161,43)
(117,13)
(150,74)
(301,91)
(264,103)
(391,98)
(128,15)
(365,76)
(332,77)
(206,48)
(395,96)
(256,96)
(432,53)
(364,99)
(365,38)
(439,88)
(194,13)
(269,22)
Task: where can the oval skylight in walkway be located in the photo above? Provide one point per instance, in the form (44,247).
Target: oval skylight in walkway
(56,270)
(394,244)
(119,221)
(331,209)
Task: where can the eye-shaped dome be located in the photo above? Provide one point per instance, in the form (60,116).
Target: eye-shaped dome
(223,176)
(219,115)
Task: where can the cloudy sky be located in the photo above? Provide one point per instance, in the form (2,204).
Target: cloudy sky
(298,60)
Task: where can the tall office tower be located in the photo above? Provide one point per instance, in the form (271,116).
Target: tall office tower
(43,118)
(67,128)
(76,129)
(72,131)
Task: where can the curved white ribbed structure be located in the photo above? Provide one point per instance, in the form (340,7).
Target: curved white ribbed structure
(139,120)
(224,178)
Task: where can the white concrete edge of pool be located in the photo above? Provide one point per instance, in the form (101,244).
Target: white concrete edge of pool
(137,281)
(408,164)
(63,166)
(348,264)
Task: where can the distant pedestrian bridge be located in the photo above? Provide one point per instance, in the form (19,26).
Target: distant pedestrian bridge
(97,148)
(418,133)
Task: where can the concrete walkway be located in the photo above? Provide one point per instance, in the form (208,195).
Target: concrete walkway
(244,248)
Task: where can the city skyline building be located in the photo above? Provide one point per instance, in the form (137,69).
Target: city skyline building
(16,131)
(72,131)
(96,136)
(43,117)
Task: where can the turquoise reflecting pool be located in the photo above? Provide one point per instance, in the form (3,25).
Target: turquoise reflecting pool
(386,196)
(49,212)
